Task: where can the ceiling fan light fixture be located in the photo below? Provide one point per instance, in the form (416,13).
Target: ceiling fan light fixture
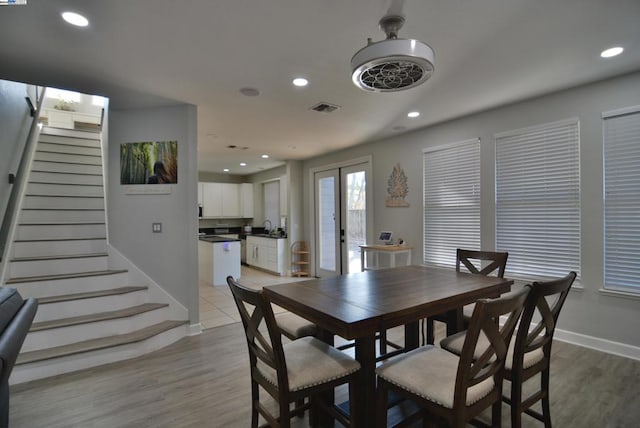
(392,64)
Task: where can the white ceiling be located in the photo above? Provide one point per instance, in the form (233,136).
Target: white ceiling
(159,52)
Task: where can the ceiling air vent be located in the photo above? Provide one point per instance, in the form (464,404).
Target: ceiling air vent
(325,107)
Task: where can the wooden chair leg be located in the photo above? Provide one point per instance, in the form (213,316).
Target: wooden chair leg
(255,399)
(516,402)
(382,395)
(354,409)
(496,414)
(546,410)
(285,416)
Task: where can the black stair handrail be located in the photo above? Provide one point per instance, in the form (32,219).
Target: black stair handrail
(21,172)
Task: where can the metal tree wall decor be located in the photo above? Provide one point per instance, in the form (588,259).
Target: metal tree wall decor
(397,188)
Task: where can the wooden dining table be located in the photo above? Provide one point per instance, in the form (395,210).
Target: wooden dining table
(358,305)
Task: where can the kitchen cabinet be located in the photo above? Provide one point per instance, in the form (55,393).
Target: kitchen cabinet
(217,260)
(212,200)
(266,253)
(230,200)
(246,200)
(226,200)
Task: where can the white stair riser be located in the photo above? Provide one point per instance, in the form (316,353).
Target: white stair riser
(58,157)
(57,266)
(64,189)
(46,138)
(54,216)
(42,369)
(56,177)
(59,248)
(60,287)
(30,232)
(73,308)
(43,339)
(67,167)
(62,202)
(69,149)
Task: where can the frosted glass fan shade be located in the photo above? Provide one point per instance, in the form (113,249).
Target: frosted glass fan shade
(392,65)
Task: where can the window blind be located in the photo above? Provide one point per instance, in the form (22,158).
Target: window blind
(538,199)
(621,135)
(451,201)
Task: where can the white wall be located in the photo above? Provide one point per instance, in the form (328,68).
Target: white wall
(170,258)
(586,312)
(15,121)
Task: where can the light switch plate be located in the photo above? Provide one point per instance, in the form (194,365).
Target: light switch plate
(157,227)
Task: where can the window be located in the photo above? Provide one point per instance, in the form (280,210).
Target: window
(63,95)
(538,199)
(621,135)
(451,201)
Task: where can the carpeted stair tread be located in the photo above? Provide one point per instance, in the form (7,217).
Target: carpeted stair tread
(70,256)
(100,316)
(64,276)
(90,294)
(97,344)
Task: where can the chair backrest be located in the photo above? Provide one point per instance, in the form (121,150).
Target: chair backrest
(541,336)
(486,320)
(498,261)
(265,346)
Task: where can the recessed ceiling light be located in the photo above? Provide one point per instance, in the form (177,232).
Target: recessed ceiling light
(264,156)
(611,52)
(243,164)
(300,81)
(413,114)
(226,170)
(75,19)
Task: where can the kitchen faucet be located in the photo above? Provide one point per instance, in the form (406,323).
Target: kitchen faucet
(264,224)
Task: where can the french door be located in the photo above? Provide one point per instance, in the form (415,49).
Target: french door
(341,219)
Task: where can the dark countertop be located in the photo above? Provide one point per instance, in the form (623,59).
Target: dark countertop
(264,235)
(217,239)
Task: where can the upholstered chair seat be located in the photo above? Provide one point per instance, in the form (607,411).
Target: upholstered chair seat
(294,326)
(430,373)
(311,362)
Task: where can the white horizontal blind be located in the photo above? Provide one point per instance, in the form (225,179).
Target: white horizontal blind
(451,201)
(538,199)
(622,201)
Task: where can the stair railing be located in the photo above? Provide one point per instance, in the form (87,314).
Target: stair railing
(19,181)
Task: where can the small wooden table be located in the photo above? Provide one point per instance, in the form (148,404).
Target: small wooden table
(392,250)
(357,305)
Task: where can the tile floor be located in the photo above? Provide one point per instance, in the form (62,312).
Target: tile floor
(216,303)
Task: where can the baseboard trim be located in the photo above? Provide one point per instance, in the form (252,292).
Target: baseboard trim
(608,346)
(194,329)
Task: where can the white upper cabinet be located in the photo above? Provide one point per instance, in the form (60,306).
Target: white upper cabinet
(246,200)
(212,200)
(226,200)
(230,200)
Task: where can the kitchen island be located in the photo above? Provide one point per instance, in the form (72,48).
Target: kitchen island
(218,257)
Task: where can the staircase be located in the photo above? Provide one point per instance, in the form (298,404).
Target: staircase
(89,313)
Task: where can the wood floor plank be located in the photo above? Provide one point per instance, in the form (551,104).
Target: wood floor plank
(203,381)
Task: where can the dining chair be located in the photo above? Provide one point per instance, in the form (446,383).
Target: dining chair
(530,352)
(450,387)
(292,371)
(294,326)
(475,262)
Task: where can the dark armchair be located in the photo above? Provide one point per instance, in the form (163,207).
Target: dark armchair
(16,316)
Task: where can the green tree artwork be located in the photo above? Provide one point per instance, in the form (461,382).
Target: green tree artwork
(149,162)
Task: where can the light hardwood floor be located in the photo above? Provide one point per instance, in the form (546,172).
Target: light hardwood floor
(203,381)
